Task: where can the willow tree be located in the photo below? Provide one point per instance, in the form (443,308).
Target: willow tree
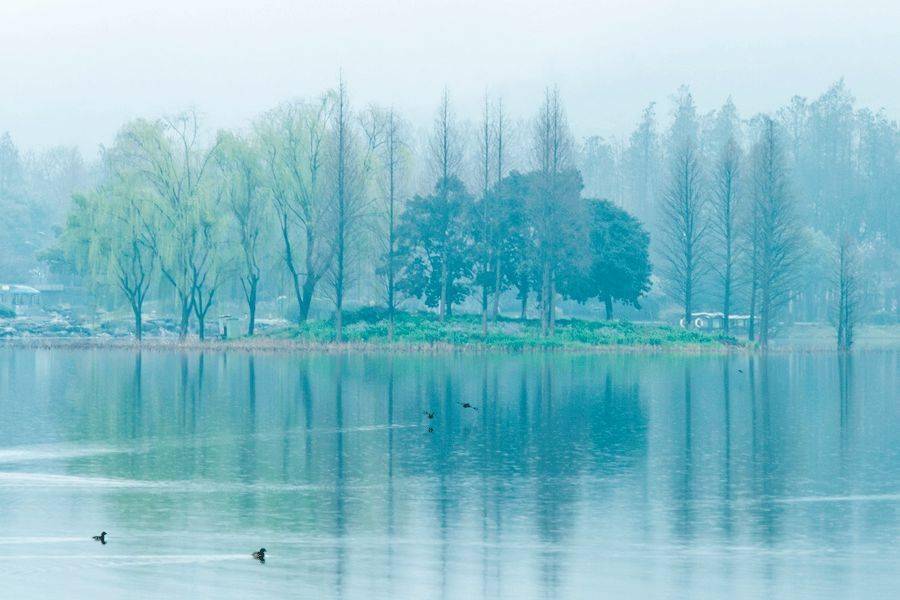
(292,140)
(240,173)
(104,240)
(168,159)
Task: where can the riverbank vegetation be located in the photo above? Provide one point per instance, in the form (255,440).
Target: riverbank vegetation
(424,329)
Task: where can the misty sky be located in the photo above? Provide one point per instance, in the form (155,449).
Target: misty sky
(73,72)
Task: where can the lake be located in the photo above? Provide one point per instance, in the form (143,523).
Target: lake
(578,476)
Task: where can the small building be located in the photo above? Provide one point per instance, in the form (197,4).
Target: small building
(715,321)
(20,298)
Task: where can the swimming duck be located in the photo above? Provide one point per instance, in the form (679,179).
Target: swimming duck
(429,414)
(467,405)
(260,555)
(100,538)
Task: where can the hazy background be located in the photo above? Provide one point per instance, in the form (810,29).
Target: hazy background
(73,72)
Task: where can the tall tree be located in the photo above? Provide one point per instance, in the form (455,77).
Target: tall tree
(555,208)
(725,209)
(683,226)
(393,152)
(446,156)
(682,216)
(293,138)
(343,201)
(240,173)
(778,241)
(642,166)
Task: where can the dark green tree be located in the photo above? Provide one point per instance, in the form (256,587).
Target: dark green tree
(434,232)
(619,259)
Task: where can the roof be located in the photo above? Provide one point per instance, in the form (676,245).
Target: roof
(15,288)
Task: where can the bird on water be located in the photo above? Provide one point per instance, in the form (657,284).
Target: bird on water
(467,405)
(100,538)
(260,555)
(429,414)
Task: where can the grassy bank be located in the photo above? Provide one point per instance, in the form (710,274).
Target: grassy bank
(370,327)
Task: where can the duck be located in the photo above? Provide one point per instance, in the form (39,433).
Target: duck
(431,430)
(260,555)
(429,414)
(467,405)
(100,538)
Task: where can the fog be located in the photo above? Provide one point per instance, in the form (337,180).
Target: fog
(74,72)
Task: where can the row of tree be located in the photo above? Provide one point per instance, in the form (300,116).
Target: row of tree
(314,192)
(315,200)
(837,165)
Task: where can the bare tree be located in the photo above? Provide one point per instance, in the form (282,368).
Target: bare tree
(684,227)
(352,165)
(554,201)
(500,150)
(393,154)
(341,132)
(777,235)
(724,223)
(446,156)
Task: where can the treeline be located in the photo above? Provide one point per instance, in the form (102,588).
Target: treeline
(775,216)
(35,190)
(320,187)
(830,188)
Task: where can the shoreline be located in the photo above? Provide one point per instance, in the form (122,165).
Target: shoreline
(264,345)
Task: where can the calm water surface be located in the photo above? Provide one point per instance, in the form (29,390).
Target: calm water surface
(577,477)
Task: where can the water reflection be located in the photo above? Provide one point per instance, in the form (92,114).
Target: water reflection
(636,476)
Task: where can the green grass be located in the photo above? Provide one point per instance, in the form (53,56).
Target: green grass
(370,326)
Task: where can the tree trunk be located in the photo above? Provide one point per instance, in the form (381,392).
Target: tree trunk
(251,304)
(688,312)
(484,309)
(751,322)
(186,307)
(442,307)
(390,292)
(764,316)
(524,290)
(726,303)
(608,304)
(138,326)
(495,308)
(339,325)
(545,297)
(305,298)
(551,305)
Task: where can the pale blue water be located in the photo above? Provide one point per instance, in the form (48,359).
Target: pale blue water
(578,477)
